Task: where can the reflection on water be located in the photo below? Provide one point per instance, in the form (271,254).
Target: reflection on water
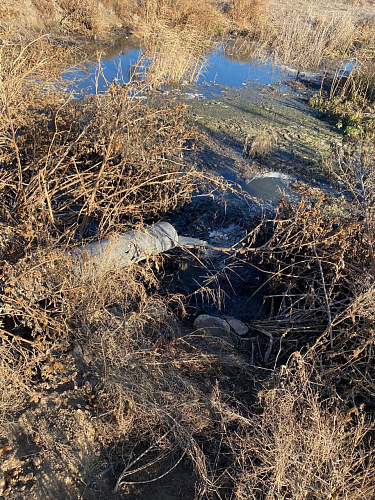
(231,72)
(229,65)
(115,62)
(269,188)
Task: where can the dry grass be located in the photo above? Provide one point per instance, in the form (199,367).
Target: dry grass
(90,18)
(173,57)
(351,97)
(305,36)
(301,444)
(260,145)
(204,16)
(162,398)
(249,14)
(178,36)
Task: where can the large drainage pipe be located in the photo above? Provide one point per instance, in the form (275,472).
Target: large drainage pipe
(112,254)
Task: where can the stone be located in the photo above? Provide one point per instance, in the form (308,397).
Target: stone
(78,352)
(237,326)
(213,325)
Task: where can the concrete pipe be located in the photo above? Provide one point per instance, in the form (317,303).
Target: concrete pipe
(101,257)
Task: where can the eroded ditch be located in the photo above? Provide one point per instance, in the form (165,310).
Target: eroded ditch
(232,119)
(261,136)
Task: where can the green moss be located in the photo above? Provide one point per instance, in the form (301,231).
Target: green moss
(348,113)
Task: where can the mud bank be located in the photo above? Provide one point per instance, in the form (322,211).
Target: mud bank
(261,128)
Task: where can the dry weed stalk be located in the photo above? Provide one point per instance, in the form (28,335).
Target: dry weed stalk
(301,443)
(305,36)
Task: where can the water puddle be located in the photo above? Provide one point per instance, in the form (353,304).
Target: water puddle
(236,97)
(223,71)
(115,65)
(267,188)
(118,60)
(271,187)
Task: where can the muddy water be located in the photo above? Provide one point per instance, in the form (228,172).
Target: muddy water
(293,138)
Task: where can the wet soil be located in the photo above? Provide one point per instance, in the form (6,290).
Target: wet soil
(298,138)
(292,165)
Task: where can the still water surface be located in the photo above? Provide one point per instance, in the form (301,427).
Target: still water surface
(223,69)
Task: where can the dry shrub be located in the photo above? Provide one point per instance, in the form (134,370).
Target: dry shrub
(154,410)
(152,407)
(302,443)
(67,165)
(25,69)
(152,389)
(75,153)
(79,17)
(321,265)
(248,14)
(352,165)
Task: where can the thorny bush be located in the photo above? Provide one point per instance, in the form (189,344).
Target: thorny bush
(69,165)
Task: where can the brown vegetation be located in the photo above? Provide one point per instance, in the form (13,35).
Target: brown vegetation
(302,445)
(113,158)
(289,417)
(249,14)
